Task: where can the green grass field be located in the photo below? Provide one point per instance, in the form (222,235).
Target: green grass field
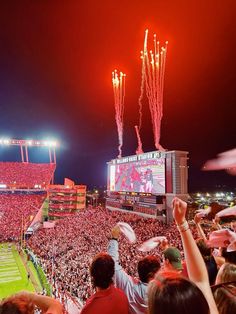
(14,271)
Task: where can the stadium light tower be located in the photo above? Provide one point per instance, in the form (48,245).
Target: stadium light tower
(24,144)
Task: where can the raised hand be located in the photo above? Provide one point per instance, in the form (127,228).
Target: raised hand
(179,210)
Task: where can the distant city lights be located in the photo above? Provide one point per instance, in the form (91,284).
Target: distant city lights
(219,197)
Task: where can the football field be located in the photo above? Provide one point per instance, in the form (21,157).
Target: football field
(16,273)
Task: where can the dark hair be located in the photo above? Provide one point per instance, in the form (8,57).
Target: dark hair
(208,258)
(9,308)
(102,270)
(17,305)
(175,294)
(204,249)
(230,257)
(147,268)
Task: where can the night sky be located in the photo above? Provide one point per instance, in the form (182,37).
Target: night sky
(56,59)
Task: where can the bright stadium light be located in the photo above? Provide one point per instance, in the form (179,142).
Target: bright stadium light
(6,141)
(29,142)
(50,143)
(54,143)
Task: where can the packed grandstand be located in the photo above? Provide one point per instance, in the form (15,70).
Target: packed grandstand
(26,175)
(65,251)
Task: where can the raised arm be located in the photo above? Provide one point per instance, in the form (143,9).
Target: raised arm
(122,279)
(44,303)
(200,231)
(195,264)
(216,222)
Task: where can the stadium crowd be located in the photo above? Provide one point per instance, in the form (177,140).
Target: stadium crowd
(66,250)
(16,211)
(26,175)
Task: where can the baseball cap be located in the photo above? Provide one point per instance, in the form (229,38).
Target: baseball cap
(174,257)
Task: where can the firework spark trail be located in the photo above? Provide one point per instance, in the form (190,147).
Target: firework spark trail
(139,149)
(118,82)
(140,146)
(142,79)
(153,70)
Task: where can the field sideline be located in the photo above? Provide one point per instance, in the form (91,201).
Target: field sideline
(14,272)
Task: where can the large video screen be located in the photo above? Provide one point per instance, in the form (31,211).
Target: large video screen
(147,176)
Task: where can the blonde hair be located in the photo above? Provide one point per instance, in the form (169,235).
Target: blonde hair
(226,273)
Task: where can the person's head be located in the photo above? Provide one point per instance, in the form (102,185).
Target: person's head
(225,298)
(204,249)
(230,257)
(172,259)
(147,268)
(226,273)
(17,304)
(169,293)
(102,270)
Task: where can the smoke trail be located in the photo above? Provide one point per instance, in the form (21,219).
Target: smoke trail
(118,82)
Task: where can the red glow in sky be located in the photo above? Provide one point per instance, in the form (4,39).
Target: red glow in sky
(56,59)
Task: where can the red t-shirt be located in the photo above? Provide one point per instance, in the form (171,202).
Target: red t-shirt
(111,300)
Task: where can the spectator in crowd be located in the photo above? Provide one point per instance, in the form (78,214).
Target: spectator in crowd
(26,302)
(225,298)
(170,293)
(225,289)
(209,259)
(107,298)
(212,262)
(135,290)
(230,257)
(227,273)
(172,259)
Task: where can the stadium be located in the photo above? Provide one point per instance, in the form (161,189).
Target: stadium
(139,243)
(48,236)
(28,200)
